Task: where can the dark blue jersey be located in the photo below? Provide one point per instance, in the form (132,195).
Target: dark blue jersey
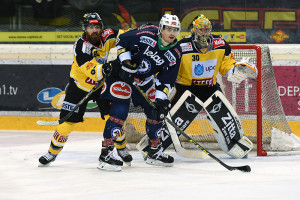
(142,43)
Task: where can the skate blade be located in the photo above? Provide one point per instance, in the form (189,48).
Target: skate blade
(150,161)
(108,167)
(42,165)
(127,163)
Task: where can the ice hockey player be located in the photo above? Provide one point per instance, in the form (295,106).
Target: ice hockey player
(204,56)
(90,65)
(144,53)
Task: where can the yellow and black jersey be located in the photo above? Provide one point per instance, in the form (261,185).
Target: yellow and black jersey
(88,58)
(197,68)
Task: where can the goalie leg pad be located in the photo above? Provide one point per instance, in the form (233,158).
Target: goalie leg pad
(227,126)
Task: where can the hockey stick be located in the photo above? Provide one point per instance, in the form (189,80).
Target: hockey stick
(245,168)
(62,120)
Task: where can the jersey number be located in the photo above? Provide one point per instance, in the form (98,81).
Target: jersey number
(195,57)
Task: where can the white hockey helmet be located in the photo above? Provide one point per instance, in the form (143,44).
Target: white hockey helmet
(169,20)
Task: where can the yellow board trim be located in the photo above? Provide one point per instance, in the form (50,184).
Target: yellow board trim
(92,124)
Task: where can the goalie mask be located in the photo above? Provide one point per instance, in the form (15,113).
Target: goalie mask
(91,19)
(201,32)
(169,20)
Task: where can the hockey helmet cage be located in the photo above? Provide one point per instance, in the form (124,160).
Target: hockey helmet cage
(200,37)
(91,18)
(169,20)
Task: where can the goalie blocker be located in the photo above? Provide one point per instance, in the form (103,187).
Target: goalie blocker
(221,116)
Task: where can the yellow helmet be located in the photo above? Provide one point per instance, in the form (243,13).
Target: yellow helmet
(200,37)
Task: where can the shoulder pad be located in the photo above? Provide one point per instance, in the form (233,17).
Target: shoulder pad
(186,46)
(218,42)
(106,34)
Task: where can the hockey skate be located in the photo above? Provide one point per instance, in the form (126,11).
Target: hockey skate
(108,161)
(125,156)
(156,156)
(46,159)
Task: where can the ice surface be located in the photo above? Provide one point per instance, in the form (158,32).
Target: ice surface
(74,174)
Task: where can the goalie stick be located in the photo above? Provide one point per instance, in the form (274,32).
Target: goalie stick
(245,168)
(62,120)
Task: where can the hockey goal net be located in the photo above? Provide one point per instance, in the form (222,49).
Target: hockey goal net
(257,103)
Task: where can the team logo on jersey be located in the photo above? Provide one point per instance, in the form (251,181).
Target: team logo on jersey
(218,42)
(144,67)
(120,90)
(151,93)
(148,40)
(46,95)
(171,58)
(158,60)
(186,47)
(115,131)
(69,106)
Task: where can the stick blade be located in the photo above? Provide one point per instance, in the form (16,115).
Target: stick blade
(47,123)
(245,168)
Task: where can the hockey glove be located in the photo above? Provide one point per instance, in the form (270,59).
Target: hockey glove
(242,70)
(127,72)
(111,68)
(162,108)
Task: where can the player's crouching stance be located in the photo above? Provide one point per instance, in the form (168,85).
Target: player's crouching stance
(89,66)
(204,56)
(144,53)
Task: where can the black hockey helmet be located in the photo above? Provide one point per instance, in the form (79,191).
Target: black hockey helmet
(91,18)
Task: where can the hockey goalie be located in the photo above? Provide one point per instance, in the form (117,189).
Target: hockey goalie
(204,56)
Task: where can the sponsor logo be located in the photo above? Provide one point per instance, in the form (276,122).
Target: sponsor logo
(69,106)
(216,108)
(279,36)
(158,60)
(46,95)
(198,69)
(93,21)
(120,90)
(218,42)
(178,52)
(186,47)
(170,57)
(89,65)
(151,93)
(148,40)
(204,69)
(106,33)
(209,82)
(190,107)
(229,130)
(147,32)
(90,81)
(87,48)
(103,88)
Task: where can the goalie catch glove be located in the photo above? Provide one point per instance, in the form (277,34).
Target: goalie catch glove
(127,72)
(242,70)
(162,108)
